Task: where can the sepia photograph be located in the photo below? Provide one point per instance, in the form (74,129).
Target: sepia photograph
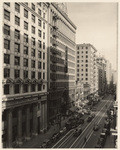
(59,74)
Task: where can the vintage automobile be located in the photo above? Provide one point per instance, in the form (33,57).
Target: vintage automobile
(96,127)
(77,132)
(89,118)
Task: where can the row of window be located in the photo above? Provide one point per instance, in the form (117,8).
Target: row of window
(83,74)
(83,56)
(17,9)
(17,49)
(25,74)
(17,88)
(82,78)
(82,52)
(17,45)
(82,61)
(17,21)
(82,65)
(25,62)
(17,32)
(83,47)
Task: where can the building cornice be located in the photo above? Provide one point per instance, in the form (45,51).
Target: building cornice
(64,15)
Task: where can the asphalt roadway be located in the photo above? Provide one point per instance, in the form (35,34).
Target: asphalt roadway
(70,141)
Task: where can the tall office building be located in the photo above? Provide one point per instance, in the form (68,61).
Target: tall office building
(108,72)
(102,82)
(86,68)
(24,99)
(61,61)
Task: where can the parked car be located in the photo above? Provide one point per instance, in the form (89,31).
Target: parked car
(89,118)
(77,132)
(81,121)
(62,131)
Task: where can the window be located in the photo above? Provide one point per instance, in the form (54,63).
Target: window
(39,87)
(17,47)
(16,73)
(43,35)
(39,65)
(39,44)
(77,52)
(43,65)
(26,50)
(6,29)
(33,41)
(17,60)
(6,58)
(78,65)
(25,62)
(39,12)
(8,4)
(81,51)
(81,69)
(39,22)
(7,89)
(43,25)
(33,6)
(43,87)
(17,7)
(86,70)
(39,33)
(86,52)
(86,56)
(77,70)
(39,75)
(16,88)
(39,54)
(6,72)
(43,55)
(77,61)
(7,44)
(25,88)
(82,47)
(78,75)
(43,75)
(17,34)
(86,65)
(33,52)
(33,29)
(43,45)
(33,88)
(33,63)
(39,4)
(6,15)
(25,13)
(86,74)
(32,75)
(25,38)
(77,56)
(33,18)
(86,61)
(86,47)
(43,15)
(17,20)
(25,25)
(25,74)
(86,79)
(81,74)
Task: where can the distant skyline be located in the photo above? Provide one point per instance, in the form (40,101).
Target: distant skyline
(96,24)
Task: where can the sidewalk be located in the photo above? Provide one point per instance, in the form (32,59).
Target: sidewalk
(110,142)
(36,141)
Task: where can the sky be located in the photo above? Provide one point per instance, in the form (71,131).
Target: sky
(96,24)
